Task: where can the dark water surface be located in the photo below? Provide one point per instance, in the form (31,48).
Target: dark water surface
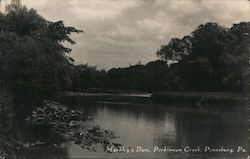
(148,126)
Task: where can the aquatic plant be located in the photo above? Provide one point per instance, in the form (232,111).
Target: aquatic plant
(92,135)
(53,112)
(54,123)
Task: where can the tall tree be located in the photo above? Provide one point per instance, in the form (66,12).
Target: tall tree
(215,58)
(176,49)
(32,52)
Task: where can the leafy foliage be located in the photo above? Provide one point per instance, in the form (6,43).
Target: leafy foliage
(59,123)
(54,112)
(214,59)
(33,55)
(90,136)
(154,76)
(176,49)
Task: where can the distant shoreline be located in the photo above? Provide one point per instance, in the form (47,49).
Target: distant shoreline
(172,97)
(201,98)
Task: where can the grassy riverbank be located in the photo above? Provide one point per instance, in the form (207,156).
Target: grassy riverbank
(209,99)
(115,98)
(200,98)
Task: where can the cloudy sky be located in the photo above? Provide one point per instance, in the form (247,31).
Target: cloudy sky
(123,32)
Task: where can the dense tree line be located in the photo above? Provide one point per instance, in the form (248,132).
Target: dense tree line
(33,57)
(212,58)
(153,76)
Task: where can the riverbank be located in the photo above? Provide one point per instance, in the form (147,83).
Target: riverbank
(203,99)
(115,98)
(200,98)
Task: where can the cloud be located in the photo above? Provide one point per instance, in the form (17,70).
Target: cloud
(101,9)
(119,32)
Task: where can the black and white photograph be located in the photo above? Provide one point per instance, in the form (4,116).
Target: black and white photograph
(127,79)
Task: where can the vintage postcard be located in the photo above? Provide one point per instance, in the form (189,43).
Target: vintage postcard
(128,79)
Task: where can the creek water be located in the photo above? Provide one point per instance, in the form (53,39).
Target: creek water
(155,131)
(148,130)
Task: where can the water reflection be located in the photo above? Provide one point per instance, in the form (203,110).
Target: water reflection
(217,128)
(172,126)
(43,152)
(144,125)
